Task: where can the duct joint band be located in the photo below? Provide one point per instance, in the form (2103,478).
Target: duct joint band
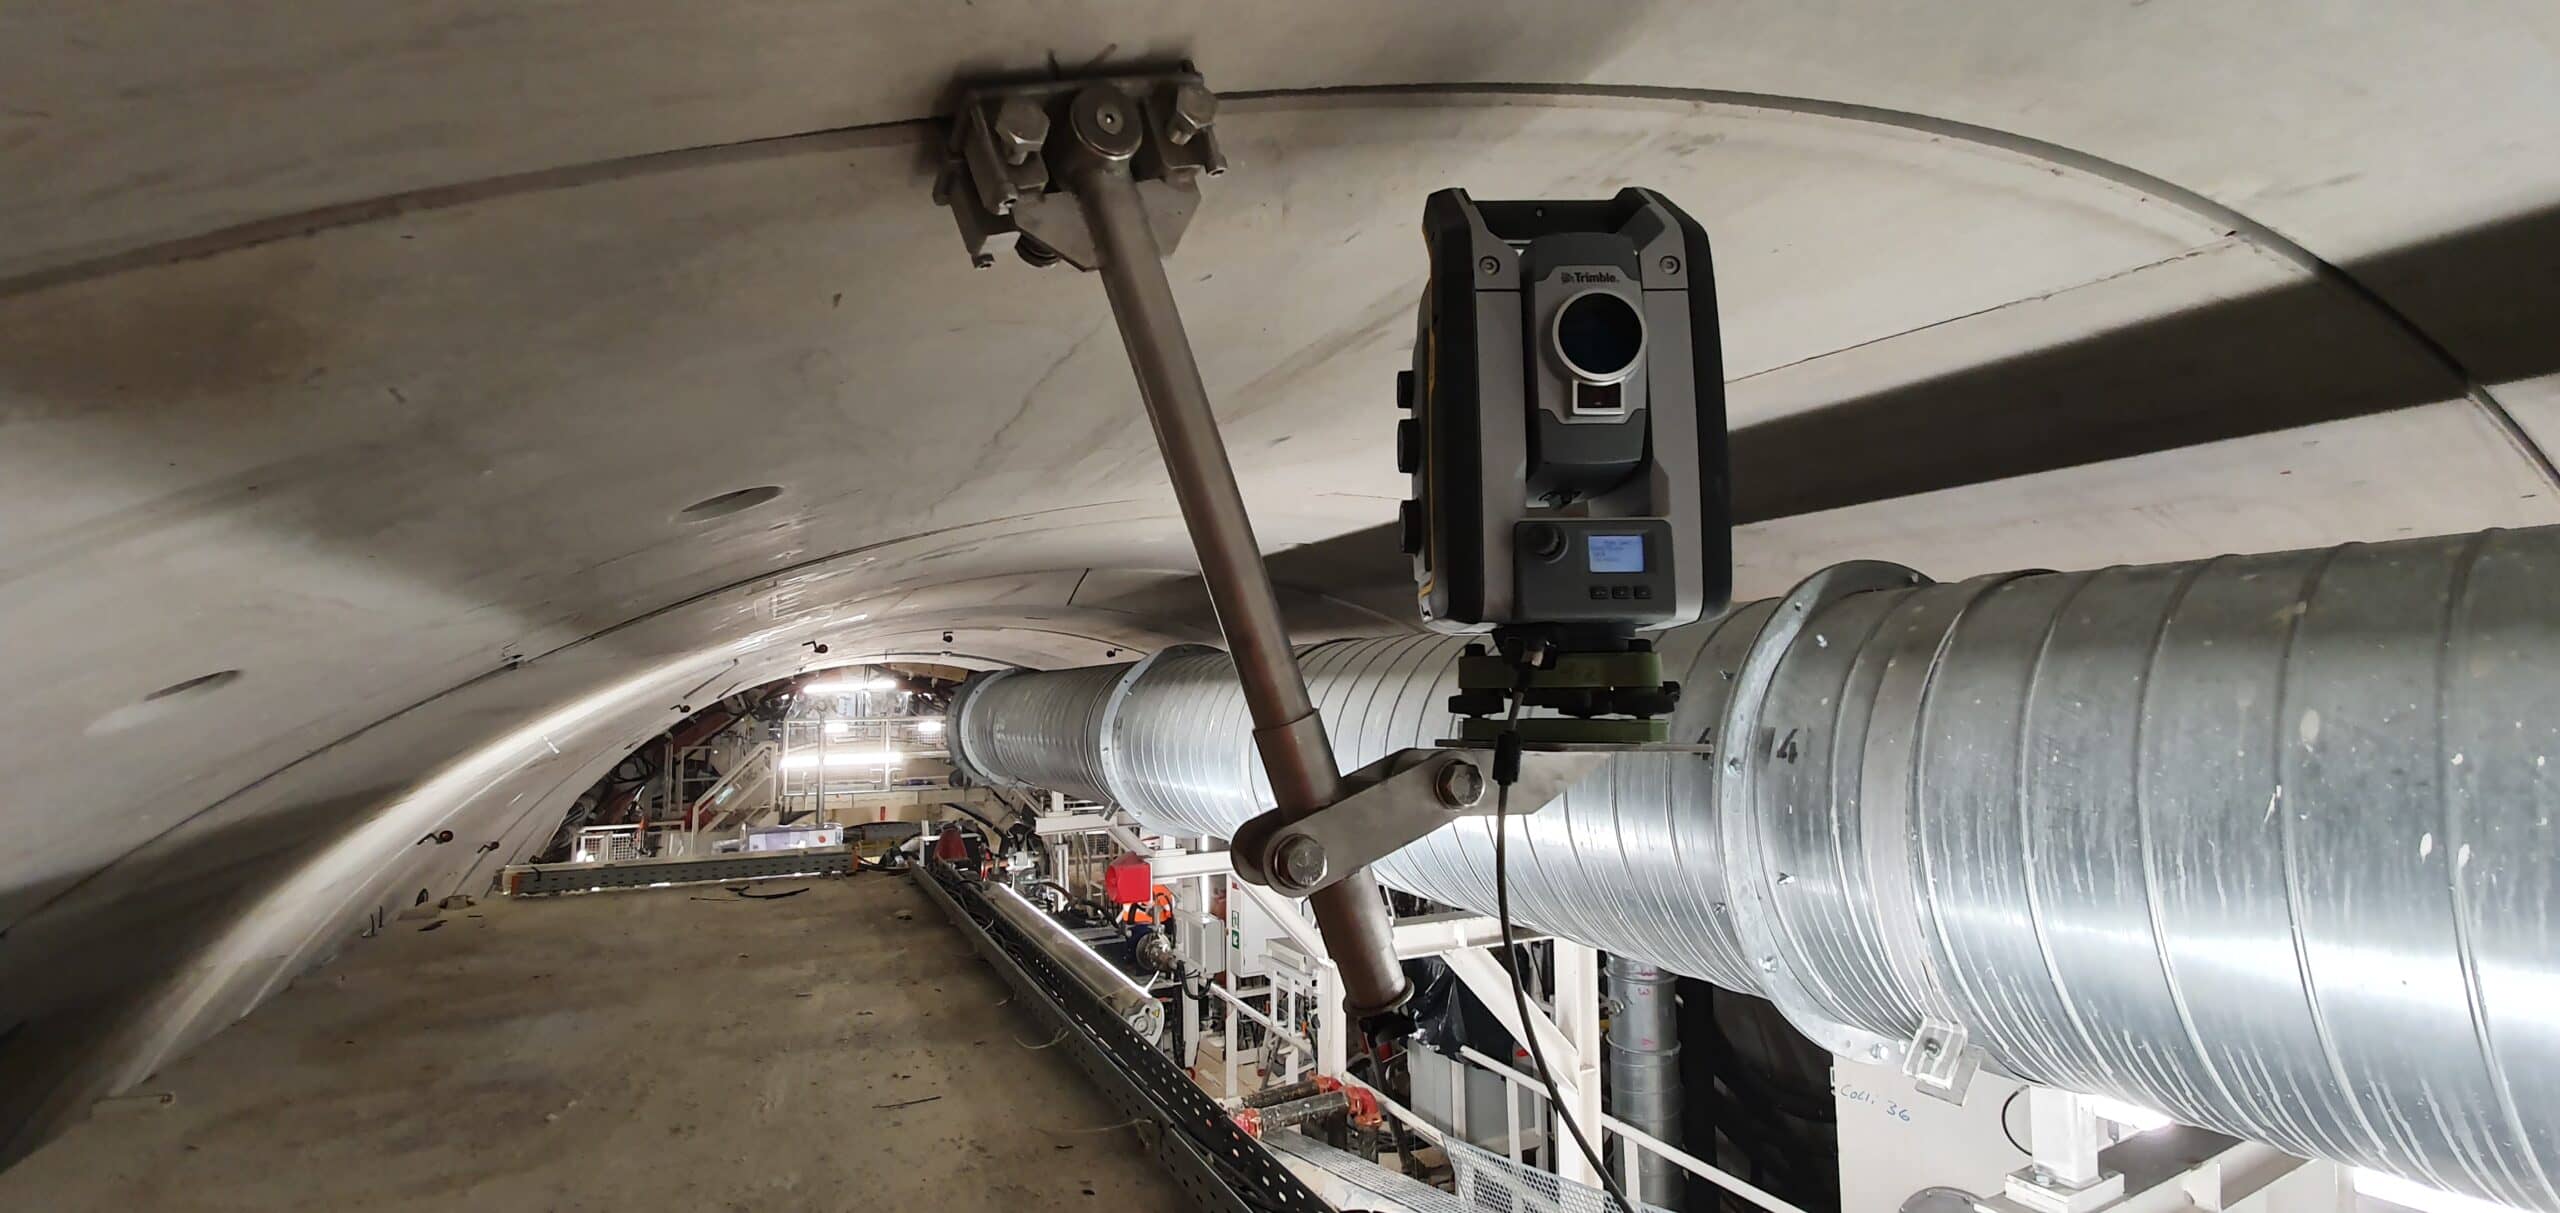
(1888,785)
(1744,749)
(1107,735)
(957,729)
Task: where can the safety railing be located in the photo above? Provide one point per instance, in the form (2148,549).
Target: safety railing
(829,758)
(1524,1103)
(1629,1142)
(1301,1050)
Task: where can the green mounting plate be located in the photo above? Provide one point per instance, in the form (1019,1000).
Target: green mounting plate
(1540,730)
(1571,671)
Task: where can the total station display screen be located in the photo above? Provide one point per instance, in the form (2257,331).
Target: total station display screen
(1617,553)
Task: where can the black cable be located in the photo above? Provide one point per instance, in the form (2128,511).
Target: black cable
(1511,955)
(2004,1122)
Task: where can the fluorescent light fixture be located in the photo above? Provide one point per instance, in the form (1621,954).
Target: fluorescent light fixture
(2415,1195)
(884,758)
(928,726)
(849,686)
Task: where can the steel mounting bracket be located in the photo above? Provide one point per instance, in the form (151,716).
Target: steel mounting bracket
(1004,169)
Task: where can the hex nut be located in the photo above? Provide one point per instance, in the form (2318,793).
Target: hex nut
(1020,128)
(1193,110)
(1300,860)
(1459,784)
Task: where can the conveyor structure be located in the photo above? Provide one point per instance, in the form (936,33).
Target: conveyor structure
(1199,1144)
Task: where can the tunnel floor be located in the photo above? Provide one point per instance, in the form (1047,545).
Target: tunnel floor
(668,1049)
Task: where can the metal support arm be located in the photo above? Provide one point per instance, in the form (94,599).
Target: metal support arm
(1111,142)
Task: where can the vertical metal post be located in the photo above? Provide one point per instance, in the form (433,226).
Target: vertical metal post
(1577,1014)
(1234,956)
(1287,732)
(1511,1117)
(1333,1035)
(1284,1010)
(1190,1022)
(775,805)
(1458,1100)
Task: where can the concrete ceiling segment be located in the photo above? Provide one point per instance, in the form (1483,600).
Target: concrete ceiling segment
(392,457)
(2223,341)
(2352,126)
(2536,404)
(2435,469)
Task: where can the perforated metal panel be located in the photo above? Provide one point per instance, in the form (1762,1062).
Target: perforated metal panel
(1491,1183)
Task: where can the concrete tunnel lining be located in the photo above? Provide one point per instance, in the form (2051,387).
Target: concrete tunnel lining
(455,664)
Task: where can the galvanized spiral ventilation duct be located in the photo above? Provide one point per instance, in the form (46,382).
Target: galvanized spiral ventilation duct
(2263,842)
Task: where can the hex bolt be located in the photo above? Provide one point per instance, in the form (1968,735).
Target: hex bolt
(1300,861)
(1490,265)
(1193,110)
(1460,785)
(1671,265)
(1020,128)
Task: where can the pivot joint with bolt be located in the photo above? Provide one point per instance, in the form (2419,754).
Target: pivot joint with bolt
(1390,804)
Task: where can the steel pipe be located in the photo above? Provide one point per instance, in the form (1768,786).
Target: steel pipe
(1287,731)
(2265,843)
(1644,1070)
(1023,761)
(1117,990)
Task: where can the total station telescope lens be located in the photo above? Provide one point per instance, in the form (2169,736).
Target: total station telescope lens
(1600,336)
